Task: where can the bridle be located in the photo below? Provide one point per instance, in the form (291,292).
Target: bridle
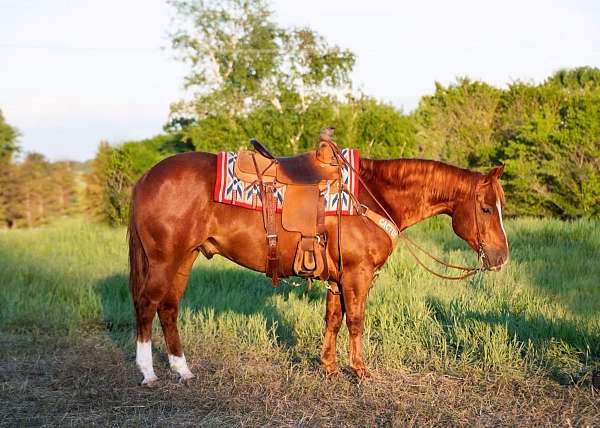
(481,254)
(411,245)
(469,271)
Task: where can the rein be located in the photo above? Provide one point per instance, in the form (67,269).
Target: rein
(469,271)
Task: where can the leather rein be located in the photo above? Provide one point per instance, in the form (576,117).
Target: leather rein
(468,271)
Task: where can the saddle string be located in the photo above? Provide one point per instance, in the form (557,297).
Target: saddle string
(469,270)
(269,206)
(339,218)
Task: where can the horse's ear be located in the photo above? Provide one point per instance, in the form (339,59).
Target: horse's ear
(495,172)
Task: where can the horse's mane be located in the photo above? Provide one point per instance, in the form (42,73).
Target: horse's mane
(440,180)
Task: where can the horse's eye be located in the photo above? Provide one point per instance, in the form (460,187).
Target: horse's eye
(486,210)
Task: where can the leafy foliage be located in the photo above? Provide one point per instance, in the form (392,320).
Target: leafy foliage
(37,191)
(251,78)
(34,191)
(8,139)
(547,135)
(115,169)
(8,146)
(456,123)
(243,63)
(549,138)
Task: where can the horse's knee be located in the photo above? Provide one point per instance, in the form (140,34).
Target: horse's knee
(333,320)
(355,324)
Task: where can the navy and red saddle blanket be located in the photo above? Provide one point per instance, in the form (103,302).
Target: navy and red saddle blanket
(231,190)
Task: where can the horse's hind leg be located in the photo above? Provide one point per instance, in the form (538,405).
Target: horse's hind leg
(162,292)
(168,309)
(146,305)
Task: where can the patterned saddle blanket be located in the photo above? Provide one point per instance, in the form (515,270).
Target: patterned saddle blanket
(229,189)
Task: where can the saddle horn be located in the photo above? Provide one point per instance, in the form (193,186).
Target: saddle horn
(326,134)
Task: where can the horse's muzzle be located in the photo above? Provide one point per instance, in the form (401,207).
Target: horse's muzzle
(495,261)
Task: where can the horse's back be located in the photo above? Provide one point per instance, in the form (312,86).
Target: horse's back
(189,166)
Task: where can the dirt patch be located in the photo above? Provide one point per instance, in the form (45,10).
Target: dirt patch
(92,381)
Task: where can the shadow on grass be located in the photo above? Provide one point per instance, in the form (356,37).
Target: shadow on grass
(558,259)
(216,289)
(562,264)
(558,343)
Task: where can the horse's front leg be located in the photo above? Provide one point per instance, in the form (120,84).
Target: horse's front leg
(333,320)
(356,288)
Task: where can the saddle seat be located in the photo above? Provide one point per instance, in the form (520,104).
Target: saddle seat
(304,176)
(305,168)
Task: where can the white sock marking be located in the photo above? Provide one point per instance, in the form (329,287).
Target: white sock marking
(179,364)
(143,359)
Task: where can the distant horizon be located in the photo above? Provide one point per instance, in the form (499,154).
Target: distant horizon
(77,73)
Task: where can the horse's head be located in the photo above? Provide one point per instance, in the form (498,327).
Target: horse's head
(478,220)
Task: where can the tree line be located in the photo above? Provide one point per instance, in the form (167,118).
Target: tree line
(35,191)
(251,78)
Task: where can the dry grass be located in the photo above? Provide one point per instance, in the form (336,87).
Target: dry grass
(88,381)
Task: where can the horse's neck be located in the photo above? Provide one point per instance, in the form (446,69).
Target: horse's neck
(412,190)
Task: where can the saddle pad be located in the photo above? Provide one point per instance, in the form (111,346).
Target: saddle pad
(230,190)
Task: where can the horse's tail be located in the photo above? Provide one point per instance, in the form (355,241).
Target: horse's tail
(138,260)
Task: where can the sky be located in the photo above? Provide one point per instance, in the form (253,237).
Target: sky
(75,72)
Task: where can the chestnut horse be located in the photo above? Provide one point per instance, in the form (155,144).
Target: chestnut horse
(174,218)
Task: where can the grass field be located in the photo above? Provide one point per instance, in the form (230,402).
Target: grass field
(515,347)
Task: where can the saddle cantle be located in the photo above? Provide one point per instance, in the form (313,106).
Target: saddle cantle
(303,211)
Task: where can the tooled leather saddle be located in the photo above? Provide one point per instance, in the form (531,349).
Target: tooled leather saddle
(303,210)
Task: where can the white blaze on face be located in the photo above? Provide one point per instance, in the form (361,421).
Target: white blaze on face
(180,366)
(143,359)
(501,223)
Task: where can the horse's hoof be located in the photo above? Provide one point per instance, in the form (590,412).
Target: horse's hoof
(187,380)
(331,372)
(330,369)
(151,382)
(362,373)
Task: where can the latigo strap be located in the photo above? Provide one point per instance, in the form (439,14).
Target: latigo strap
(269,206)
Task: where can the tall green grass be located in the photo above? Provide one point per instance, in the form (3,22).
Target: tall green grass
(540,314)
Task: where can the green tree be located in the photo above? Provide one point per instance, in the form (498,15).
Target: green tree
(377,129)
(96,202)
(114,170)
(8,139)
(8,147)
(32,202)
(549,140)
(576,79)
(456,123)
(242,62)
(64,196)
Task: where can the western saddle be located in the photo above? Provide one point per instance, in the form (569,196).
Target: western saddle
(305,177)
